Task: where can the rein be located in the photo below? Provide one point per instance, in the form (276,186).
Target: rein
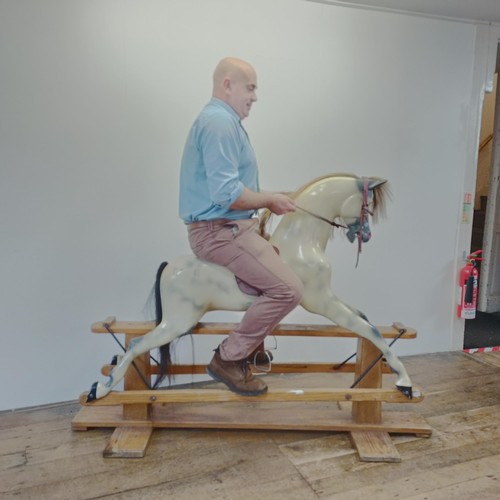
(320,217)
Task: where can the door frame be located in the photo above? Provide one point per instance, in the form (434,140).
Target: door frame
(490,267)
(487,38)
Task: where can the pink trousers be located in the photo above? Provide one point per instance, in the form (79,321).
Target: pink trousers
(238,246)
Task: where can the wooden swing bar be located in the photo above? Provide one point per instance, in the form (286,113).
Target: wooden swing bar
(302,408)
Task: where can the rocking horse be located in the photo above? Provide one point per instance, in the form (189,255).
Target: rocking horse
(189,287)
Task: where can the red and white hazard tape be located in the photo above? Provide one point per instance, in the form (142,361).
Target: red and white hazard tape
(483,349)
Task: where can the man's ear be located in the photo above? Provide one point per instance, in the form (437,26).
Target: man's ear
(227,85)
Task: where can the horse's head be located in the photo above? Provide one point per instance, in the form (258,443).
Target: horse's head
(355,210)
(345,198)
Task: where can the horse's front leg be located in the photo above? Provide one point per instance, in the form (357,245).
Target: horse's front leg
(325,303)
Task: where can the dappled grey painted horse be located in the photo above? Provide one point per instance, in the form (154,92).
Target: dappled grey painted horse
(190,287)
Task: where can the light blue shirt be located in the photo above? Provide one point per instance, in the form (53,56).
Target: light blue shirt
(218,162)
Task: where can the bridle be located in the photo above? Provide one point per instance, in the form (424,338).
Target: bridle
(365,211)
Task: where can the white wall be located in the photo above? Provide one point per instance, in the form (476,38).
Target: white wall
(96,98)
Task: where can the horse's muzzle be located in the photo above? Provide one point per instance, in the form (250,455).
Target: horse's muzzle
(353,231)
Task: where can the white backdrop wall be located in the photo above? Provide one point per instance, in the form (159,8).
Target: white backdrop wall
(96,98)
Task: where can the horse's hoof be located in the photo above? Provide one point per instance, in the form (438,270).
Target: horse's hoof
(92,395)
(98,391)
(117,359)
(407,391)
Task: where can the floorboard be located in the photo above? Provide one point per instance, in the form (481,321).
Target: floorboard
(41,457)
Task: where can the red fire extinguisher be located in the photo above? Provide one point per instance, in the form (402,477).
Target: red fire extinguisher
(468,279)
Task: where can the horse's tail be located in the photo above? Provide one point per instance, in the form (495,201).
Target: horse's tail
(165,357)
(158,307)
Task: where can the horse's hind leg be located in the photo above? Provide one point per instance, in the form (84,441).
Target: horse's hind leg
(162,334)
(329,306)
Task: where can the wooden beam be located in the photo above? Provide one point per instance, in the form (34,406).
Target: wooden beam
(128,442)
(179,369)
(321,417)
(224,395)
(137,378)
(289,330)
(373,446)
(367,411)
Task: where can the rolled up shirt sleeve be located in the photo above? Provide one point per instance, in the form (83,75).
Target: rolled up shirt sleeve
(220,149)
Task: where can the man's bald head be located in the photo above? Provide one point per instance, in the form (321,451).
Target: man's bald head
(233,69)
(235,82)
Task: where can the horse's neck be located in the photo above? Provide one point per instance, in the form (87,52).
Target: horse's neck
(298,229)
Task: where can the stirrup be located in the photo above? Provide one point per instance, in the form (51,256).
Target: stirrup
(266,367)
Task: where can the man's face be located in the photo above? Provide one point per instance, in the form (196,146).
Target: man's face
(241,92)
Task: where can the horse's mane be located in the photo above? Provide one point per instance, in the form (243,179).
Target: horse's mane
(380,195)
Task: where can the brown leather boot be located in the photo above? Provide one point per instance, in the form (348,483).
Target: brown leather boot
(236,375)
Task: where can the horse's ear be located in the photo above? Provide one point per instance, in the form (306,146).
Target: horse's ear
(374,182)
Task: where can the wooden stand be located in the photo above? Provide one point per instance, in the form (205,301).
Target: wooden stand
(136,411)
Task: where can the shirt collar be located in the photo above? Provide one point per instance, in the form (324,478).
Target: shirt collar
(220,103)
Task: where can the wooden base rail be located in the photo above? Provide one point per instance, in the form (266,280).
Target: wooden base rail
(136,411)
(137,328)
(276,395)
(281,368)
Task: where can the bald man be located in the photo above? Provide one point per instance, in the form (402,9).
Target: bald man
(219,199)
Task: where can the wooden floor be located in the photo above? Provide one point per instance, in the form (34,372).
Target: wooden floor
(41,457)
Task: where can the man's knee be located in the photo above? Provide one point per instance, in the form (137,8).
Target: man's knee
(295,292)
(299,292)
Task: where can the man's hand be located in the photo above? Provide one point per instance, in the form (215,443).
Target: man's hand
(280,204)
